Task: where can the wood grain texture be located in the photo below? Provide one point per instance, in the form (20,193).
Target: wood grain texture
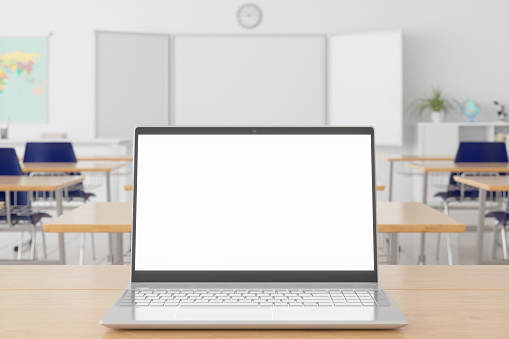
(392,277)
(402,157)
(432,314)
(489,183)
(70,167)
(459,166)
(21,183)
(116,217)
(112,217)
(397,217)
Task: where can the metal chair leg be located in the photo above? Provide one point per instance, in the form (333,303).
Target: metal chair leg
(504,242)
(82,249)
(32,245)
(93,246)
(449,248)
(20,246)
(438,245)
(43,236)
(495,242)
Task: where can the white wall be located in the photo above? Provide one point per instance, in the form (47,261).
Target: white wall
(462,45)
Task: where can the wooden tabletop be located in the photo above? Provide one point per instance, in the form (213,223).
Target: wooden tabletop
(67,167)
(489,183)
(401,157)
(105,158)
(115,217)
(459,166)
(379,187)
(20,183)
(111,217)
(439,302)
(403,217)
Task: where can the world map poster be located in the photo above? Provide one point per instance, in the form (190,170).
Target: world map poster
(23,78)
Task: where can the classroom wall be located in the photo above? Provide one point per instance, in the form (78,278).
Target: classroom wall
(461,45)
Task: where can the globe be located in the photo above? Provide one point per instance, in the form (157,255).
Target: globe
(470,109)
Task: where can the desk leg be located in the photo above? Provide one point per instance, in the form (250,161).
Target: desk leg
(61,238)
(118,254)
(480,225)
(422,256)
(8,208)
(108,187)
(393,260)
(391,174)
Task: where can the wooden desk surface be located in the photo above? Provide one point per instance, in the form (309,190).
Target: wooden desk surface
(105,158)
(402,157)
(489,183)
(392,277)
(81,166)
(379,187)
(20,183)
(459,166)
(112,217)
(470,302)
(398,217)
(116,217)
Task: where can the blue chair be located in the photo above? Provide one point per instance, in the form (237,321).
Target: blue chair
(501,221)
(21,210)
(469,152)
(59,152)
(55,152)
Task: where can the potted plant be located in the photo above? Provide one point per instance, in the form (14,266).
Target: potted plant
(437,104)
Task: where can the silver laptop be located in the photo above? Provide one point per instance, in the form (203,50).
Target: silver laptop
(266,227)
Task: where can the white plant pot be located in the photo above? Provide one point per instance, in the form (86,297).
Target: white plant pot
(437,117)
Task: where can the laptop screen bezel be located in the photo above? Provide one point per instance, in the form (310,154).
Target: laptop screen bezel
(254,276)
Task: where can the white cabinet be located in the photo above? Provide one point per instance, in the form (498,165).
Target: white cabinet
(444,138)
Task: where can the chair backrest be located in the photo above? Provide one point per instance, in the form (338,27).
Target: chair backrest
(481,152)
(49,152)
(9,165)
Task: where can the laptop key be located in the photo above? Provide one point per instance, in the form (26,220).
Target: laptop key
(309,304)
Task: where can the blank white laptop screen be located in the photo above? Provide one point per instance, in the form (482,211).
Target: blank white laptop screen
(254,202)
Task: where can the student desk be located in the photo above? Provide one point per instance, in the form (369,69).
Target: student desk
(71,167)
(398,158)
(379,187)
(484,184)
(22,183)
(460,167)
(114,218)
(105,158)
(439,302)
(393,218)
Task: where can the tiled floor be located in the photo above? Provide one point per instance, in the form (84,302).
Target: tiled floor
(464,246)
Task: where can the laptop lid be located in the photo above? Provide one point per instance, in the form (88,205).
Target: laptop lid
(254,204)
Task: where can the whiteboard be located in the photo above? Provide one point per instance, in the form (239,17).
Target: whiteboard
(249,80)
(366,83)
(132,82)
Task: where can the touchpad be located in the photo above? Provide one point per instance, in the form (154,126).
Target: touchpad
(236,313)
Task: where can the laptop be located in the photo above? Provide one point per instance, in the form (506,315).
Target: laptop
(254,228)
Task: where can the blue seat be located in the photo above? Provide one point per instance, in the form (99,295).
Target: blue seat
(21,210)
(59,152)
(468,152)
(55,152)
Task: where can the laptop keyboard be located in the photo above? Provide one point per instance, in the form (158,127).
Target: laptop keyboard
(237,297)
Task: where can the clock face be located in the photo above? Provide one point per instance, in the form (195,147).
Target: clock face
(249,16)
